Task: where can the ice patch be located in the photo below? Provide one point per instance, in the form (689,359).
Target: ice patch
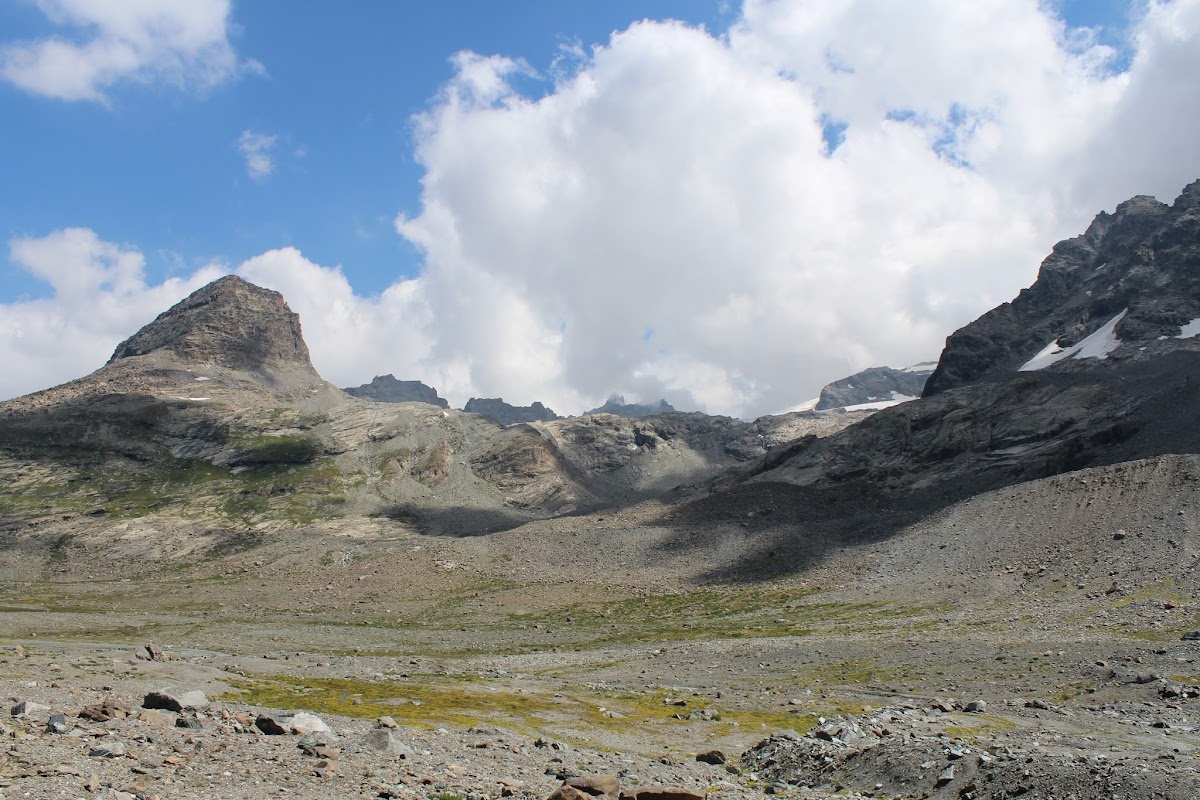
(807,405)
(921,368)
(895,400)
(1102,342)
(1190,330)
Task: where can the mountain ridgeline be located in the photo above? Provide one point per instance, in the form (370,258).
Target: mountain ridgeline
(213,411)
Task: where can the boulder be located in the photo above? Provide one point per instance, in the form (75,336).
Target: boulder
(383,740)
(595,785)
(175,701)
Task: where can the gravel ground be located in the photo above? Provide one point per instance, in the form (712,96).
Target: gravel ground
(1060,608)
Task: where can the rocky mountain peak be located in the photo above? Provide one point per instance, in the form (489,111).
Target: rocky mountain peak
(1132,280)
(387,389)
(229,323)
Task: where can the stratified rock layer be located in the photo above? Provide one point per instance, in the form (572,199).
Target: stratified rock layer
(228,323)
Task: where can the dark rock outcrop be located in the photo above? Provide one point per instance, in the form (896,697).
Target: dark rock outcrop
(990,425)
(874,385)
(1143,260)
(386,389)
(616,405)
(228,323)
(500,412)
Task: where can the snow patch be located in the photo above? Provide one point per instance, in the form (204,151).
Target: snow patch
(1098,345)
(202,378)
(1190,330)
(896,399)
(923,368)
(807,405)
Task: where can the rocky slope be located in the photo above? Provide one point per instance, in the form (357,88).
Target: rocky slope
(502,413)
(875,385)
(214,411)
(386,389)
(617,406)
(1130,397)
(1138,267)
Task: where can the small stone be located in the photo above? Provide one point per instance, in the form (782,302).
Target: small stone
(28,708)
(947,775)
(384,740)
(107,750)
(387,722)
(566,792)
(669,793)
(190,723)
(104,711)
(157,717)
(595,785)
(1191,636)
(57,724)
(269,726)
(304,723)
(154,653)
(975,707)
(175,702)
(715,757)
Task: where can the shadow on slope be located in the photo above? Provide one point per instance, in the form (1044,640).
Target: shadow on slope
(801,503)
(457,521)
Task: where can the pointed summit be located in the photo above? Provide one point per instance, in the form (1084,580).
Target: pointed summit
(229,323)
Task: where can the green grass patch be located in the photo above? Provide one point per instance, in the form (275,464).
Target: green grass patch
(424,705)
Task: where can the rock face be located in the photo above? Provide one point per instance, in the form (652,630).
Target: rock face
(1137,269)
(617,406)
(874,385)
(991,425)
(386,389)
(500,412)
(228,323)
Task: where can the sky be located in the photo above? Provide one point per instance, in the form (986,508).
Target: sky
(723,204)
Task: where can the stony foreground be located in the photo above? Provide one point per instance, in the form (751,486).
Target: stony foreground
(110,722)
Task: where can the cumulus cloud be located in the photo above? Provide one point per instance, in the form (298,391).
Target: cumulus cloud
(674,216)
(100,297)
(143,41)
(726,221)
(256,149)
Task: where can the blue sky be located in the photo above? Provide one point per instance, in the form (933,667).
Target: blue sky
(161,167)
(728,211)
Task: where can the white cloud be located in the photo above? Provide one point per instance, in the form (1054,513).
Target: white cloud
(666,219)
(100,298)
(256,149)
(351,338)
(104,43)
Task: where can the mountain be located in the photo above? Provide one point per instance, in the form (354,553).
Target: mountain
(386,389)
(616,405)
(1133,277)
(214,412)
(500,412)
(877,386)
(1005,410)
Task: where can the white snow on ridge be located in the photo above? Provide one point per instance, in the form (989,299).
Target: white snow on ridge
(1190,330)
(1098,345)
(922,368)
(807,405)
(896,400)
